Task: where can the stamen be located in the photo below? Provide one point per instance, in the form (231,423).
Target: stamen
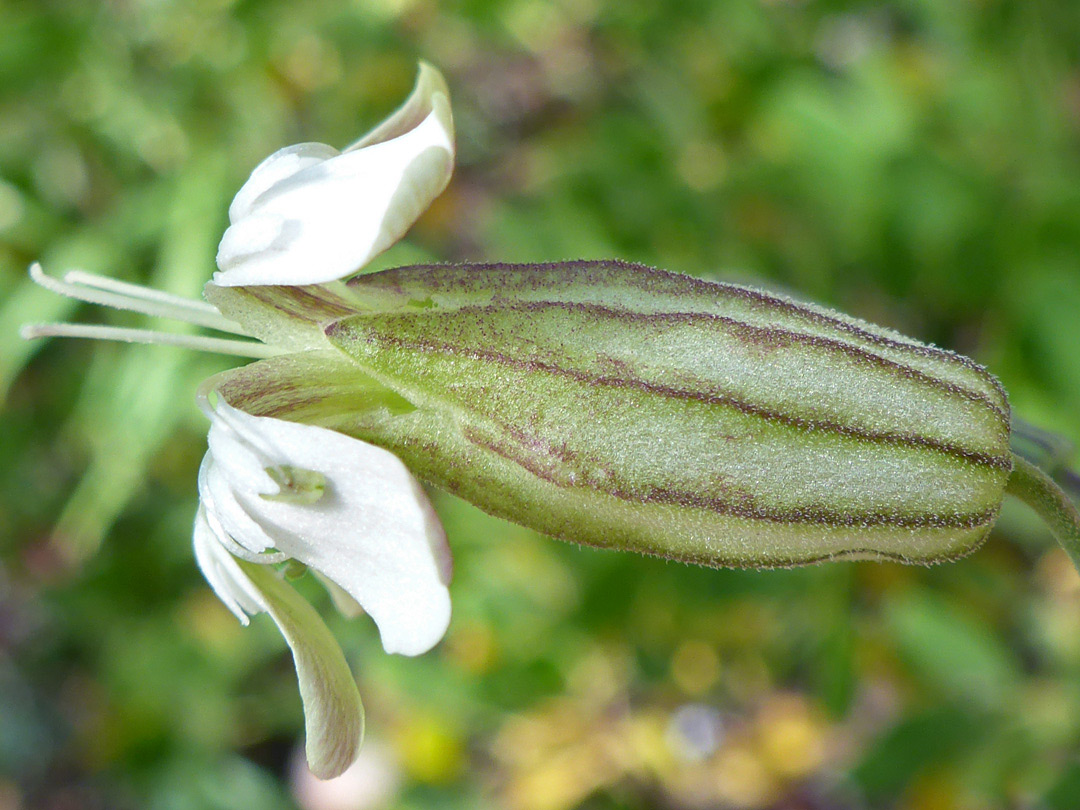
(294,569)
(136,291)
(296,485)
(118,295)
(239,348)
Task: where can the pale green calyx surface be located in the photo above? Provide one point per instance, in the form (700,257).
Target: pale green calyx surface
(629,408)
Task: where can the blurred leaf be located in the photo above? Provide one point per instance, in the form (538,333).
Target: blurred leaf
(916,744)
(1065,795)
(951,651)
(230,784)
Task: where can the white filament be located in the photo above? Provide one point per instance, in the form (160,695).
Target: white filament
(82,278)
(106,292)
(238,348)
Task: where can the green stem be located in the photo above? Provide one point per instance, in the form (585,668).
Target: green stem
(1038,490)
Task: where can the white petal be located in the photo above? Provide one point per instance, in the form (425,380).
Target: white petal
(229,521)
(333,713)
(305,219)
(283,163)
(430,95)
(221,571)
(373,530)
(345,604)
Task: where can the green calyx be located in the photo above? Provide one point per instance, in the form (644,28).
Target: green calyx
(629,408)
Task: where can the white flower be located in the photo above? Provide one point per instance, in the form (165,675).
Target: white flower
(273,490)
(310,214)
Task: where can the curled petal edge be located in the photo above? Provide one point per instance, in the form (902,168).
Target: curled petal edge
(333,711)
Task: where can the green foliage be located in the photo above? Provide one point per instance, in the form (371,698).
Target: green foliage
(913,163)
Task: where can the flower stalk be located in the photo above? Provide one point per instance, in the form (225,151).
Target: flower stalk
(1038,490)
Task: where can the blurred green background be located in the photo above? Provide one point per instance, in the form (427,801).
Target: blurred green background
(915,163)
